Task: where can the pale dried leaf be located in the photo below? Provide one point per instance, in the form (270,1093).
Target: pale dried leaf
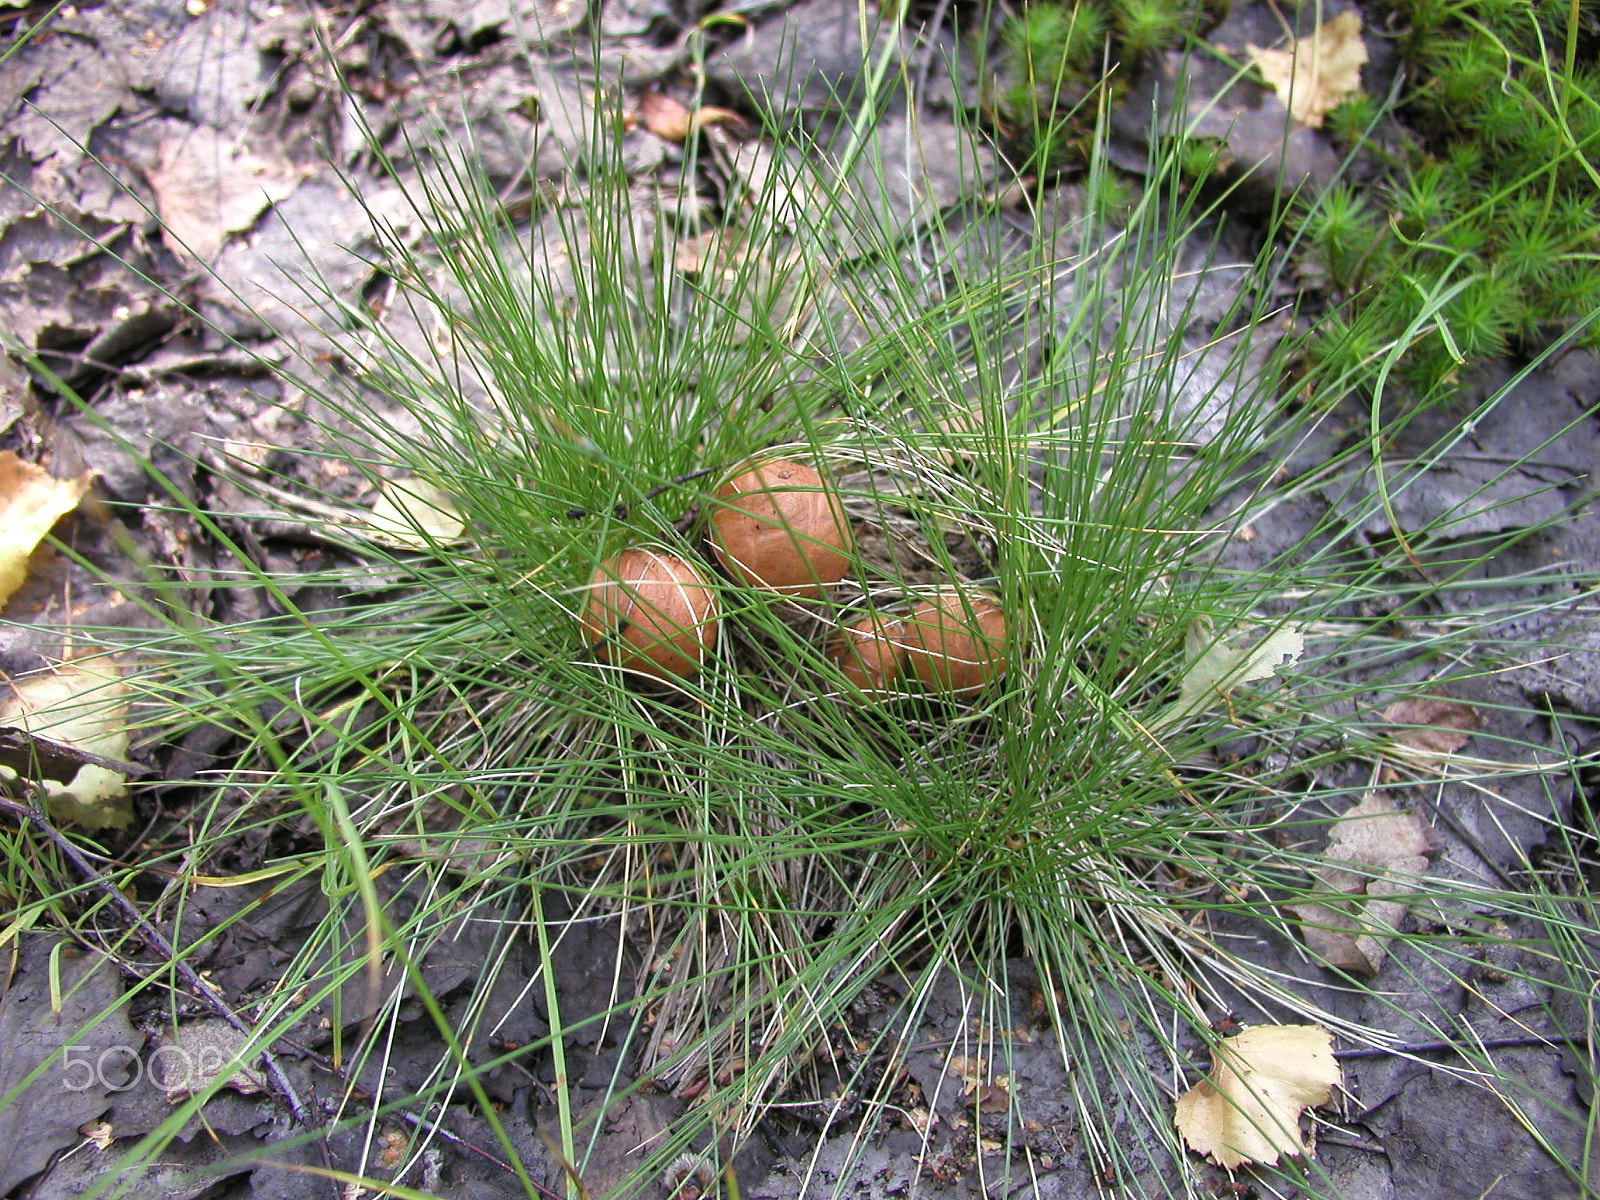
(413,514)
(199,1052)
(1317,72)
(711,114)
(1436,727)
(1223,666)
(1374,852)
(674,121)
(719,257)
(665,117)
(99,1134)
(1248,1109)
(1375,834)
(206,188)
(1334,936)
(31,502)
(82,704)
(56,1001)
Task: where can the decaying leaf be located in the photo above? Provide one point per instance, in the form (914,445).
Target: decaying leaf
(31,502)
(413,514)
(1248,1109)
(1433,727)
(674,121)
(1316,72)
(1217,668)
(198,1052)
(85,705)
(717,257)
(1375,852)
(99,1134)
(66,1004)
(207,188)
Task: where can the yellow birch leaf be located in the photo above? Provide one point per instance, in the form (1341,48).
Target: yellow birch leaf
(31,501)
(1248,1109)
(1318,71)
(82,704)
(413,514)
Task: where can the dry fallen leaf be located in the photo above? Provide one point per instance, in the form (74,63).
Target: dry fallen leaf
(995,1097)
(1435,727)
(82,704)
(413,514)
(206,188)
(31,502)
(1217,666)
(1248,1109)
(1375,852)
(674,121)
(99,1134)
(200,1052)
(717,255)
(1318,71)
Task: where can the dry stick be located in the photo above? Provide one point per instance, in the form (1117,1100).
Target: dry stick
(1553,1042)
(431,1126)
(578,512)
(151,936)
(428,1125)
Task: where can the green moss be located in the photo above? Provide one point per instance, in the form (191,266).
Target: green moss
(1201,158)
(1110,195)
(1465,73)
(1053,43)
(1498,189)
(1466,160)
(1463,242)
(1352,119)
(1346,237)
(1146,27)
(1427,200)
(1574,290)
(1485,315)
(1347,346)
(1053,55)
(1529,250)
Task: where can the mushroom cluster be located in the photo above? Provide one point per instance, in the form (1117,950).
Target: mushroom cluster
(779,528)
(953,642)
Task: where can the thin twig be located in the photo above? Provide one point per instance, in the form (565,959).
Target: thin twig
(578,512)
(33,814)
(428,1125)
(1559,1042)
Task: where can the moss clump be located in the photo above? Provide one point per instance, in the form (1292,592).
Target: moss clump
(1146,27)
(1055,54)
(1487,218)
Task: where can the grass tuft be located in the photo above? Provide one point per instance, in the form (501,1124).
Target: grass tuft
(1047,403)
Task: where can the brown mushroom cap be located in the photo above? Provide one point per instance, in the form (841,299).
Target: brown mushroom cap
(650,612)
(955,642)
(779,527)
(870,652)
